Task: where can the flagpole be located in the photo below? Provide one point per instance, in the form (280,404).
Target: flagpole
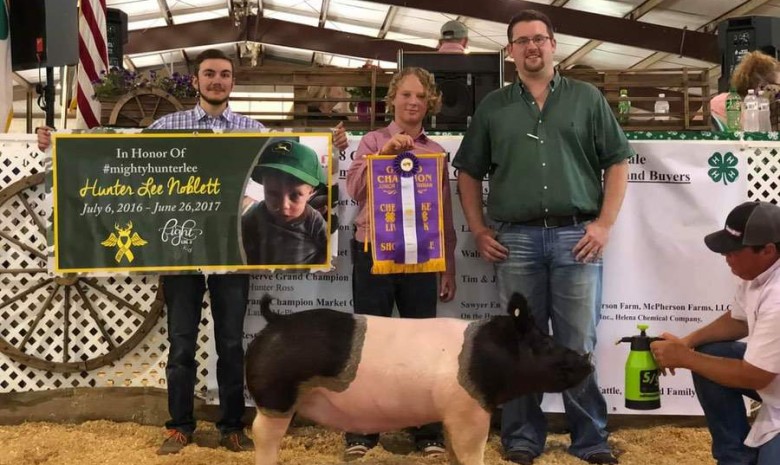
(64,94)
(48,96)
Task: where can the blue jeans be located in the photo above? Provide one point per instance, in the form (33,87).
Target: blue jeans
(184,300)
(725,412)
(565,294)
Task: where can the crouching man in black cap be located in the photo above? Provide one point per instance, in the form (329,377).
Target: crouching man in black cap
(724,368)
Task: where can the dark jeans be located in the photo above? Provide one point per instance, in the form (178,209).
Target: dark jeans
(724,410)
(184,299)
(376,294)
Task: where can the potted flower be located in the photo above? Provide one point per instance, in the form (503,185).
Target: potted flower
(117,81)
(132,99)
(363,106)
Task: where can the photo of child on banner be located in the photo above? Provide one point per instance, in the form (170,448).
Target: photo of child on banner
(283,228)
(405,213)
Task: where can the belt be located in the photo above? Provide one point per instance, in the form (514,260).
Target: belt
(557,221)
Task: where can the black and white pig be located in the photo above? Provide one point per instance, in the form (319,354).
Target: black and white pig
(370,374)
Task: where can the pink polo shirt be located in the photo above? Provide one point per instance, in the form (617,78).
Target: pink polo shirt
(451,47)
(357,184)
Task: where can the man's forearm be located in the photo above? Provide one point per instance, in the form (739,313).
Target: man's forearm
(735,373)
(471,201)
(615,182)
(724,328)
(725,371)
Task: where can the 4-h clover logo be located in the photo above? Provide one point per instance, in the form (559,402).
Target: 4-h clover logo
(724,167)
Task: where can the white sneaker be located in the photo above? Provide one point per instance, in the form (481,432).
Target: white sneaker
(354,452)
(434,449)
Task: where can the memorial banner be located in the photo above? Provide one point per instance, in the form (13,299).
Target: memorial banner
(405,213)
(191,202)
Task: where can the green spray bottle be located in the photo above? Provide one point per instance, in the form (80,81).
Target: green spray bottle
(642,389)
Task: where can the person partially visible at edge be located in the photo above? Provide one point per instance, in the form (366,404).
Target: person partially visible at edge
(738,354)
(547,142)
(756,70)
(412,94)
(183,294)
(453,38)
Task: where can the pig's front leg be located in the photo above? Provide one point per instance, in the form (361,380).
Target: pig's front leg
(467,432)
(267,433)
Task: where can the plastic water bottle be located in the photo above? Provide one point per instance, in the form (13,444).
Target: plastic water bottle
(661,108)
(733,111)
(624,107)
(750,112)
(764,120)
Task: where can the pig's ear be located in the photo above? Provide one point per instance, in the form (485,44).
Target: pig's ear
(518,310)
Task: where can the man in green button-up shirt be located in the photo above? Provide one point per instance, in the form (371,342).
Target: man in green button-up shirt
(544,143)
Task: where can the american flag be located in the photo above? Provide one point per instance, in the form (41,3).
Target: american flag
(93,58)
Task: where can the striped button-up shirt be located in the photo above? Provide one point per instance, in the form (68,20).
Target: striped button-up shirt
(197,118)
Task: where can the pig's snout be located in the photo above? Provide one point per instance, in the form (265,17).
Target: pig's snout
(570,370)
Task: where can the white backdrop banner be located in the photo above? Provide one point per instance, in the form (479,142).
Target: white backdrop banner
(657,270)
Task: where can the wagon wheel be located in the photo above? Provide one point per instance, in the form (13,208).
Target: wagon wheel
(140,107)
(62,324)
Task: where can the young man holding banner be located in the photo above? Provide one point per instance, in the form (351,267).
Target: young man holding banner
(724,368)
(183,293)
(411,95)
(545,142)
(229,292)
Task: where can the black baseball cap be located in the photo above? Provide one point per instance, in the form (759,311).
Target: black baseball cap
(748,224)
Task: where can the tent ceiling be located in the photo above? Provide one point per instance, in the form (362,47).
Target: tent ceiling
(600,33)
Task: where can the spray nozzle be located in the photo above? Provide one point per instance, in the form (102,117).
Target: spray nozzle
(641,340)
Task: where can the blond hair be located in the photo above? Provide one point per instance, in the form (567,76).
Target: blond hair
(432,93)
(756,69)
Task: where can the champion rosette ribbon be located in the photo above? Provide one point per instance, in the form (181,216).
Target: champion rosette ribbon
(405,212)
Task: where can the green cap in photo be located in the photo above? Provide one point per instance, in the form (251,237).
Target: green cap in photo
(293,158)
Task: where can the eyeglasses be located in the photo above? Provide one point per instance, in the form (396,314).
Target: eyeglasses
(537,40)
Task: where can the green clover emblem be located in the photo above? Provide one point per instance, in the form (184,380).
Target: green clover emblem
(723,167)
